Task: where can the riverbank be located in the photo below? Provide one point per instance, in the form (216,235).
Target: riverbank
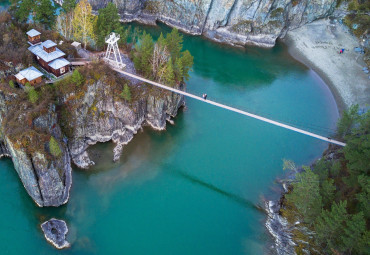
(317,45)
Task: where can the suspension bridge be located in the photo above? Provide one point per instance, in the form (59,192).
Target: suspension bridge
(270,121)
(117,65)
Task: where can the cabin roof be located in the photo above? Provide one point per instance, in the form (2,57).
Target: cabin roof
(33,32)
(47,57)
(29,73)
(59,63)
(48,44)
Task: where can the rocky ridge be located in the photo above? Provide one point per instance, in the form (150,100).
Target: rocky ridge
(236,22)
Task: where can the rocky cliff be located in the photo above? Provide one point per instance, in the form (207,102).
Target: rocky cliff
(76,117)
(25,135)
(100,115)
(237,22)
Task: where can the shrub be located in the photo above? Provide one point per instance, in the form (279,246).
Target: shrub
(11,84)
(126,93)
(77,78)
(33,96)
(54,147)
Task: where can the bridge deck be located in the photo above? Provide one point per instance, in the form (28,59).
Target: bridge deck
(276,123)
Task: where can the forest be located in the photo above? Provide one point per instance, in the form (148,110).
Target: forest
(329,203)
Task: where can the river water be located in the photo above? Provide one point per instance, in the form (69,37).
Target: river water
(194,188)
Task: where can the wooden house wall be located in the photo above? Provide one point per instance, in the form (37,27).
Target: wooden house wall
(34,39)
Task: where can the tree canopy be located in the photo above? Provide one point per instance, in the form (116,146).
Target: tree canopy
(163,60)
(107,22)
(332,200)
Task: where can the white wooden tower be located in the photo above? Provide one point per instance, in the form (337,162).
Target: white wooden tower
(112,40)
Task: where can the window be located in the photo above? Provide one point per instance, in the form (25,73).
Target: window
(62,70)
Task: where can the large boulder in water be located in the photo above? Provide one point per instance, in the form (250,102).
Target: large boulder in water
(55,232)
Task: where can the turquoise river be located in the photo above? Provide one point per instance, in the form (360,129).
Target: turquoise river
(194,188)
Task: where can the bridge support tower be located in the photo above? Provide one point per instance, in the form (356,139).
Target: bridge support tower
(112,40)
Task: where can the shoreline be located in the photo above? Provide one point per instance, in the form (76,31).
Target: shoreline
(302,58)
(317,45)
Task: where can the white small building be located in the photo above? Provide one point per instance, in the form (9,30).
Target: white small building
(77,45)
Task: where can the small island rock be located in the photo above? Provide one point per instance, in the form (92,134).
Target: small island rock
(55,232)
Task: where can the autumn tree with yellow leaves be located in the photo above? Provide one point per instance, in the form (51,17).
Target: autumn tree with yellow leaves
(83,22)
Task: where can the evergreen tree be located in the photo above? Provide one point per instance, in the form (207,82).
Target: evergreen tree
(77,78)
(22,9)
(126,93)
(327,192)
(144,54)
(329,226)
(363,196)
(169,74)
(107,22)
(174,43)
(187,61)
(306,195)
(355,238)
(33,95)
(11,84)
(54,147)
(69,5)
(347,121)
(45,12)
(178,69)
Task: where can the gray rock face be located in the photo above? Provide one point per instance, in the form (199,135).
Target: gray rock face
(279,229)
(55,232)
(46,179)
(98,117)
(237,22)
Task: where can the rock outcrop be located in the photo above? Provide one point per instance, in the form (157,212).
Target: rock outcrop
(75,117)
(55,232)
(99,116)
(47,179)
(237,22)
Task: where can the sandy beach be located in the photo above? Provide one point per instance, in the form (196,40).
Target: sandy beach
(317,45)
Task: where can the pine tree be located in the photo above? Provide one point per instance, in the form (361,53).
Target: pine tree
(45,13)
(174,43)
(11,84)
(22,9)
(69,5)
(169,74)
(144,54)
(327,191)
(84,22)
(54,147)
(107,22)
(355,237)
(187,62)
(306,195)
(77,78)
(33,95)
(329,226)
(126,93)
(178,69)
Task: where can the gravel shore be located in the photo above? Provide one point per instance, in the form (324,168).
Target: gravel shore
(317,45)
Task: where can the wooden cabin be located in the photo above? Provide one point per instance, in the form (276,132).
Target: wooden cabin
(50,58)
(60,66)
(34,37)
(31,75)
